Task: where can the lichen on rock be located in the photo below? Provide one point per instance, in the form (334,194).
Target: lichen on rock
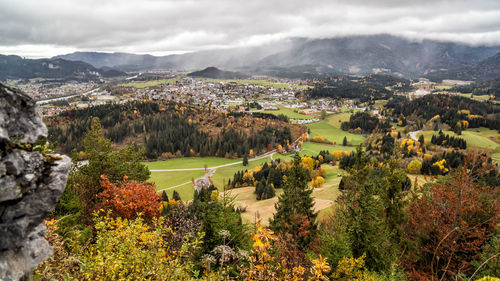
(30,185)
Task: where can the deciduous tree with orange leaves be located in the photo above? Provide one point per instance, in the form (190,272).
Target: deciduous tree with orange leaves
(128,198)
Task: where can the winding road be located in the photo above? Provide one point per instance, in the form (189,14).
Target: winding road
(211,170)
(413,135)
(270,153)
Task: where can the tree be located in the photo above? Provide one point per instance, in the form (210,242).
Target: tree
(279,149)
(129,198)
(318,181)
(450,222)
(344,142)
(176,196)
(365,227)
(295,215)
(323,114)
(103,160)
(216,216)
(164,196)
(421,139)
(245,160)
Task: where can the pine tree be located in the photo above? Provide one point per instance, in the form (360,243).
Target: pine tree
(103,160)
(164,196)
(362,208)
(245,160)
(295,215)
(176,196)
(421,139)
(344,142)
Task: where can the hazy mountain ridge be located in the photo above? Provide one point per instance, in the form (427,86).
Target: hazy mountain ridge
(484,70)
(15,67)
(356,55)
(381,54)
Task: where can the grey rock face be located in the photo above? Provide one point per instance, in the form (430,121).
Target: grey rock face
(30,185)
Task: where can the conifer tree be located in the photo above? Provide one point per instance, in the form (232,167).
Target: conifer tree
(295,215)
(103,160)
(164,196)
(344,142)
(245,160)
(176,196)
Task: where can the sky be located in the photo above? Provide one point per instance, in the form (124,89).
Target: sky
(44,28)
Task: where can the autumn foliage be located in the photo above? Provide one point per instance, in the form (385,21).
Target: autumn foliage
(129,198)
(450,222)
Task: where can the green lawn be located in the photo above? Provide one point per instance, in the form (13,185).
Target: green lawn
(443,87)
(479,139)
(496,157)
(330,129)
(189,162)
(151,83)
(312,148)
(169,179)
(476,97)
(222,175)
(288,112)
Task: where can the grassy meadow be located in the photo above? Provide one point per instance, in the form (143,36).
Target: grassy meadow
(165,180)
(476,137)
(288,112)
(189,163)
(330,129)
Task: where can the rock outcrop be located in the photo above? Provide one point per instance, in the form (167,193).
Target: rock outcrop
(31,182)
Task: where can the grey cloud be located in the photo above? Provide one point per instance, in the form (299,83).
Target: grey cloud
(178,26)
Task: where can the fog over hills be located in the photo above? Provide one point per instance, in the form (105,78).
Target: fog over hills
(356,55)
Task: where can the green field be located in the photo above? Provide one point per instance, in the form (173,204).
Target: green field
(496,157)
(443,87)
(222,175)
(485,138)
(150,83)
(189,162)
(330,129)
(312,148)
(476,97)
(288,112)
(165,180)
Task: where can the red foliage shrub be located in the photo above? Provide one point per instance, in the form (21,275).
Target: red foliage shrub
(128,198)
(449,223)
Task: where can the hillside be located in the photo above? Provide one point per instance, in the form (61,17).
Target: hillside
(15,67)
(215,73)
(484,70)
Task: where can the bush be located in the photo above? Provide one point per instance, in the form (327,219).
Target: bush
(128,198)
(414,167)
(132,250)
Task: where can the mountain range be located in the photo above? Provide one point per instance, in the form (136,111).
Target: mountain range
(15,67)
(354,55)
(297,57)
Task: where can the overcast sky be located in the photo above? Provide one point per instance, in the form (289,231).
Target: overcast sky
(43,28)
